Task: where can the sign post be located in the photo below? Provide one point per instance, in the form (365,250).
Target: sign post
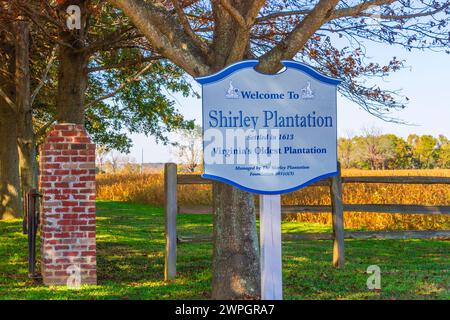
(269,134)
(270,229)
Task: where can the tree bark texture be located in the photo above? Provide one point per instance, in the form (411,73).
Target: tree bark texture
(236,252)
(72,84)
(10,203)
(26,138)
(72,75)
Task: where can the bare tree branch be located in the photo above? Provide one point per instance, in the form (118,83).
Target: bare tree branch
(8,100)
(124,64)
(281,14)
(187,27)
(410,16)
(234,13)
(43,79)
(110,39)
(133,78)
(288,48)
(246,20)
(253,11)
(355,10)
(42,130)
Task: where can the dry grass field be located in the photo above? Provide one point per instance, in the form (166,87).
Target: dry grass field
(149,189)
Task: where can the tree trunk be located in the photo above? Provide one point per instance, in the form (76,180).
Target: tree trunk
(10,204)
(236,268)
(72,76)
(10,198)
(72,84)
(26,138)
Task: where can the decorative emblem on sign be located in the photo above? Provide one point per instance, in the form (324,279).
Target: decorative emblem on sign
(264,134)
(307,93)
(232,93)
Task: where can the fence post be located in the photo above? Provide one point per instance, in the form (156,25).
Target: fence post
(170,211)
(338,219)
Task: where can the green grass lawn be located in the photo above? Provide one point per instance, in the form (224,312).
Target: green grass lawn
(130,243)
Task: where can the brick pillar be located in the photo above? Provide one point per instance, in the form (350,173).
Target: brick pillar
(67,182)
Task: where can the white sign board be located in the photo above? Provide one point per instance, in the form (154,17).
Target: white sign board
(269,134)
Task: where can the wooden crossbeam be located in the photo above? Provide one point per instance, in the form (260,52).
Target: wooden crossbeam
(372,208)
(386,234)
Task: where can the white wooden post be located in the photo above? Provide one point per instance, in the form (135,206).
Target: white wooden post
(338,220)
(170,211)
(270,228)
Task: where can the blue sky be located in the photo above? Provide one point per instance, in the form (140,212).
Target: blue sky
(426,83)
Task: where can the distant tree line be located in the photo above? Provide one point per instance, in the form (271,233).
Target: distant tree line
(375,151)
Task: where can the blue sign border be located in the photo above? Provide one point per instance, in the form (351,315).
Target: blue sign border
(251,64)
(237,185)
